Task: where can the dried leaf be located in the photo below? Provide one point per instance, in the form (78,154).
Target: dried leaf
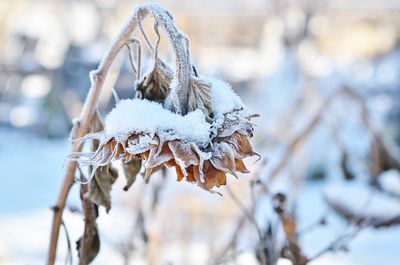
(289,226)
(131,169)
(199,96)
(100,186)
(92,243)
(155,85)
(88,245)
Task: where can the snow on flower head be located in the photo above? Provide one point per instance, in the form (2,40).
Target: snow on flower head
(198,125)
(224,99)
(135,115)
(201,151)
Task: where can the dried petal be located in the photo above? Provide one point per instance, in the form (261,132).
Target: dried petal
(223,158)
(213,176)
(241,145)
(157,158)
(184,152)
(240,166)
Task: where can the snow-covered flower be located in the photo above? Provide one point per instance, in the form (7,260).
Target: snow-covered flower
(202,150)
(195,124)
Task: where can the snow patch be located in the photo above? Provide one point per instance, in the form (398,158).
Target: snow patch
(137,115)
(223,98)
(362,200)
(390,181)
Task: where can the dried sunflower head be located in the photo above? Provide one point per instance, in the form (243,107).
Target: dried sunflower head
(201,149)
(194,124)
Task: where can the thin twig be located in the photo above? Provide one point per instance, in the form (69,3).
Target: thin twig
(297,140)
(336,243)
(69,258)
(346,237)
(144,33)
(320,222)
(136,42)
(232,241)
(252,220)
(138,46)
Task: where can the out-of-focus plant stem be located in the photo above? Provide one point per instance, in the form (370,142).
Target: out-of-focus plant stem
(82,125)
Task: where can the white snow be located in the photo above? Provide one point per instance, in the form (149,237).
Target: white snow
(223,98)
(134,115)
(363,200)
(390,181)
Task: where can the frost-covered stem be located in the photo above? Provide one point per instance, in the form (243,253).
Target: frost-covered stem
(177,99)
(81,127)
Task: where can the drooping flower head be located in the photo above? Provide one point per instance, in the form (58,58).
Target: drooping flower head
(197,125)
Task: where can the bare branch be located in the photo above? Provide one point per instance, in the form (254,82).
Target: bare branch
(248,214)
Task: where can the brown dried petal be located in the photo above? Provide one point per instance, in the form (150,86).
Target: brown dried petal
(223,158)
(179,173)
(191,173)
(140,143)
(213,177)
(183,152)
(240,166)
(156,157)
(241,144)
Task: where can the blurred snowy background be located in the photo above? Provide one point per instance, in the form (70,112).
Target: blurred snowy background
(323,75)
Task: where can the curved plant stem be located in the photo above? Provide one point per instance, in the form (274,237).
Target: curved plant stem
(82,125)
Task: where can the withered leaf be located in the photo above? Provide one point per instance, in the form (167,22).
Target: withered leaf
(104,177)
(92,244)
(100,186)
(88,245)
(199,96)
(155,84)
(131,169)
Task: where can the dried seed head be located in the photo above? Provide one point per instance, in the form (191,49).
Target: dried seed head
(204,164)
(209,141)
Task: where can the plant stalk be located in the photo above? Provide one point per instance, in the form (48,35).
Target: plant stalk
(179,94)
